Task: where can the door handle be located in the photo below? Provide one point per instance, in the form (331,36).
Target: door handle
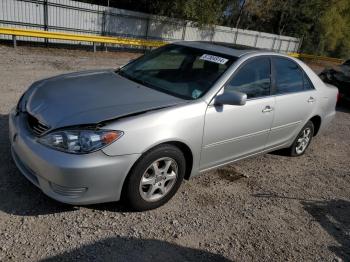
(267,109)
(311,99)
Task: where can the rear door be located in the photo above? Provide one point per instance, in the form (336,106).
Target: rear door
(232,131)
(295,100)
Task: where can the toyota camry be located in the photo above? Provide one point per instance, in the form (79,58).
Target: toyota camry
(136,132)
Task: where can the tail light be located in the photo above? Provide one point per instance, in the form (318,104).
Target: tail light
(338,96)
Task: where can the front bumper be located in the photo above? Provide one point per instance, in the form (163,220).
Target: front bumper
(74,179)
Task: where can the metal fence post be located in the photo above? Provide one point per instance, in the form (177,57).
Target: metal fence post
(46,19)
(235,37)
(103,28)
(107,13)
(184,28)
(147,29)
(212,35)
(14,40)
(300,43)
(273,43)
(280,45)
(288,45)
(256,40)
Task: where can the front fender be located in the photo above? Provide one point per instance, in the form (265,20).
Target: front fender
(175,124)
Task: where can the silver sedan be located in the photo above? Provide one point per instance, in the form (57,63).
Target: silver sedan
(135,133)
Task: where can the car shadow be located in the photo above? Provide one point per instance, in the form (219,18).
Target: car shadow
(135,250)
(280,152)
(332,215)
(18,196)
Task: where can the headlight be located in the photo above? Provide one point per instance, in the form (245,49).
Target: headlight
(80,141)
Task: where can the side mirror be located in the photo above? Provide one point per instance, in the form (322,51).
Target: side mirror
(230,97)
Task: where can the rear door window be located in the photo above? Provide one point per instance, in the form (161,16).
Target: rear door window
(307,83)
(289,77)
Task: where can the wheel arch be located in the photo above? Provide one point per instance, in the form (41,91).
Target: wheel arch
(316,121)
(186,150)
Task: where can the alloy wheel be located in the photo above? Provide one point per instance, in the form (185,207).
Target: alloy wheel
(158,179)
(303,141)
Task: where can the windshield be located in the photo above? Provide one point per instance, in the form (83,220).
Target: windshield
(181,71)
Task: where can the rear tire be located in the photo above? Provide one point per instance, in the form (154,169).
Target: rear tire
(302,141)
(155,178)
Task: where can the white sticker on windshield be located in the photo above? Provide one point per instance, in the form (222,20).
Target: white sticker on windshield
(214,59)
(196,93)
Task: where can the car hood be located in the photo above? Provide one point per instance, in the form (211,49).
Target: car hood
(91,97)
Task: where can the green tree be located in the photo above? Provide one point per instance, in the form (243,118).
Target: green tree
(323,25)
(335,28)
(201,12)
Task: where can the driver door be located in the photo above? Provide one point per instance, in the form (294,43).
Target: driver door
(234,131)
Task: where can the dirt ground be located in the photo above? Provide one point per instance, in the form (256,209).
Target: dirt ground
(268,208)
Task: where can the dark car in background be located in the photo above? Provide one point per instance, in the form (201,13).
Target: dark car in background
(340,77)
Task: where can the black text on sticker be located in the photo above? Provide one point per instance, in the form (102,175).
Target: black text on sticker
(214,59)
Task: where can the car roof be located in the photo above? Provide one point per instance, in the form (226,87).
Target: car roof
(222,47)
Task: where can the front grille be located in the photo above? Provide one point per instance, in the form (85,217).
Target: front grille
(36,127)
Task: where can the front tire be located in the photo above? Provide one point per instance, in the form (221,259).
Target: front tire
(155,178)
(302,141)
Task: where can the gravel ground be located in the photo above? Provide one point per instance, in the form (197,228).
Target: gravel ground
(268,208)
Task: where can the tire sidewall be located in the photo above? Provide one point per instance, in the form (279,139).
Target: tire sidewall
(131,194)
